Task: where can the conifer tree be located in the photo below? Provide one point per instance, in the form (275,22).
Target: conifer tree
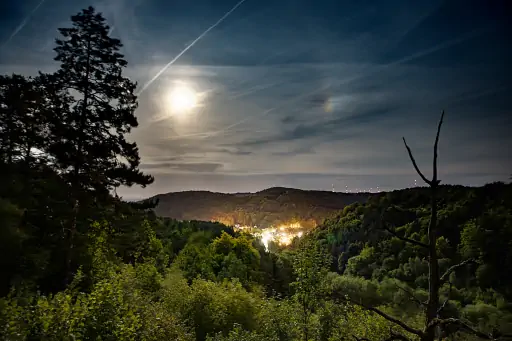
(92,150)
(19,122)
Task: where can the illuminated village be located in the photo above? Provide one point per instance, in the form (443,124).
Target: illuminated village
(281,235)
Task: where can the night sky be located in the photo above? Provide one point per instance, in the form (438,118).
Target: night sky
(300,93)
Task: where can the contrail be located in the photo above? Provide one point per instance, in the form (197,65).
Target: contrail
(255,89)
(261,63)
(265,113)
(111,30)
(159,73)
(372,70)
(441,46)
(419,21)
(23,23)
(472,96)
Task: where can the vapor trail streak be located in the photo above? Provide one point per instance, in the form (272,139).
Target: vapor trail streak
(372,70)
(266,112)
(440,46)
(23,23)
(159,73)
(472,96)
(419,21)
(255,89)
(261,63)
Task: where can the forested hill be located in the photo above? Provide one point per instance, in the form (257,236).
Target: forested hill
(272,206)
(368,241)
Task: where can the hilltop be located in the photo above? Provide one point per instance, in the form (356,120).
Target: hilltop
(272,206)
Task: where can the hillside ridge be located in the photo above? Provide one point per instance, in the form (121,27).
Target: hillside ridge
(269,207)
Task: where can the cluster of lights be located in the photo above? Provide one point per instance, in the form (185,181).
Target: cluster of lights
(362,190)
(282,235)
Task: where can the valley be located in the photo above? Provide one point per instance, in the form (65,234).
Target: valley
(275,215)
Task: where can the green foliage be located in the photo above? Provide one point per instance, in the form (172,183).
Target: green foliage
(225,257)
(210,307)
(196,261)
(236,258)
(310,267)
(363,264)
(488,317)
(473,223)
(115,309)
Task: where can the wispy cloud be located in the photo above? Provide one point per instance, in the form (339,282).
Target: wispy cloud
(181,167)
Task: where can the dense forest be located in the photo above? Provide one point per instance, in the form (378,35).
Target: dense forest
(273,206)
(79,263)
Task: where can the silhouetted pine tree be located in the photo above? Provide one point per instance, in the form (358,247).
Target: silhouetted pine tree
(20,124)
(90,150)
(54,103)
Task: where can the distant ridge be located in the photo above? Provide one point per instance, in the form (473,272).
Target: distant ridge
(272,206)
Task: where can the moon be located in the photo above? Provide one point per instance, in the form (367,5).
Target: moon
(182,99)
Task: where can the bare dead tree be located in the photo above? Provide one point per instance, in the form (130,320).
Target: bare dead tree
(432,307)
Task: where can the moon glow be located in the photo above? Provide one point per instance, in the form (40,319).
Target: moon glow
(182,99)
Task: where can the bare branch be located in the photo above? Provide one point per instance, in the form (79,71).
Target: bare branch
(393,320)
(411,295)
(462,326)
(434,172)
(451,269)
(445,301)
(405,239)
(395,336)
(382,314)
(427,181)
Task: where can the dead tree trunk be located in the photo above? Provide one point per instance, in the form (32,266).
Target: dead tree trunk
(434,280)
(433,323)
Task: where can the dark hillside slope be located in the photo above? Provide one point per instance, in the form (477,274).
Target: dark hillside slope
(473,223)
(273,206)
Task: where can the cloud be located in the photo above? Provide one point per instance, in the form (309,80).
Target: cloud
(300,150)
(182,167)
